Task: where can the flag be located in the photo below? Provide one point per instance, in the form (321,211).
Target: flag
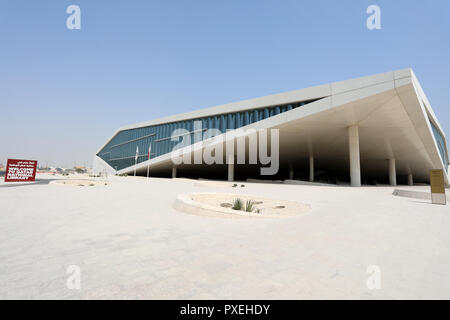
(149,151)
(137,154)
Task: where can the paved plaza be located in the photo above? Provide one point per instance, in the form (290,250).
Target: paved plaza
(130,243)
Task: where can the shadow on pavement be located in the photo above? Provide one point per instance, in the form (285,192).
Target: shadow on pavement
(23,184)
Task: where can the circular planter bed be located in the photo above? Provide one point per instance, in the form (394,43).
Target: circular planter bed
(222,204)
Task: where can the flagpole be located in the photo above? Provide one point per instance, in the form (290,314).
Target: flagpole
(135,160)
(148,160)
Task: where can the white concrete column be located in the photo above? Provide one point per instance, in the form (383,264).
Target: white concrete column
(410,179)
(355,167)
(231,172)
(291,171)
(311,168)
(174,172)
(230,162)
(392,173)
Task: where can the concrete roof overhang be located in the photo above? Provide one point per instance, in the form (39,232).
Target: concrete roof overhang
(390,110)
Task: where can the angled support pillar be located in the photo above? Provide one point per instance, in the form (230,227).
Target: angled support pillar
(174,172)
(392,173)
(410,179)
(291,171)
(230,162)
(355,167)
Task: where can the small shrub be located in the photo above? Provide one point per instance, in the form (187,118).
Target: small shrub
(234,185)
(237,204)
(249,206)
(242,186)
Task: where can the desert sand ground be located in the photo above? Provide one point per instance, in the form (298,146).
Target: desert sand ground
(130,243)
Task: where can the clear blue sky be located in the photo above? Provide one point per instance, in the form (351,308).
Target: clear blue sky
(64,92)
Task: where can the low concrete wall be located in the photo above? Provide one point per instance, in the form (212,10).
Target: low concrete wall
(415,194)
(263,181)
(412,194)
(309,183)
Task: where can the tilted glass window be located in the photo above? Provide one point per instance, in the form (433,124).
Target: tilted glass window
(120,152)
(441,144)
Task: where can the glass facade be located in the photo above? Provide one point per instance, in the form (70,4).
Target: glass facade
(441,145)
(120,152)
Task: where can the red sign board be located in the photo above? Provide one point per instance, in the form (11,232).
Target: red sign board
(18,170)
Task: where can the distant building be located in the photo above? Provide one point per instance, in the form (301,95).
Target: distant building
(79,168)
(379,128)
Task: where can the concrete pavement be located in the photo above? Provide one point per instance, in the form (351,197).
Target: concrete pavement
(131,244)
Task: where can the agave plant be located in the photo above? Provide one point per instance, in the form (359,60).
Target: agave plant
(249,206)
(237,204)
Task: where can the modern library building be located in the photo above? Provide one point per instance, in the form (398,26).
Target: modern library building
(371,130)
